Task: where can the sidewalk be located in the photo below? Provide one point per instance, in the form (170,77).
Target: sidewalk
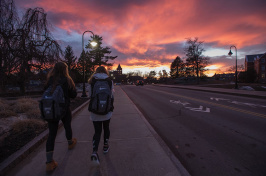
(247,93)
(135,148)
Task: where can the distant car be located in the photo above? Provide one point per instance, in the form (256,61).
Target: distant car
(139,83)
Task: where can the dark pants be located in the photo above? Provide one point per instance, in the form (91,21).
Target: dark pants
(98,131)
(53,127)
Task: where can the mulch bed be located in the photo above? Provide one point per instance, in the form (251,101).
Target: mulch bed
(17,140)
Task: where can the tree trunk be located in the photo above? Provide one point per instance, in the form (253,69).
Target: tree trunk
(22,77)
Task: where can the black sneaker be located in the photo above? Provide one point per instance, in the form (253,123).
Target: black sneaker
(105,148)
(95,158)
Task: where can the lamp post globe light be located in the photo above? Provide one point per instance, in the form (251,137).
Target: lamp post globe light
(93,44)
(230,54)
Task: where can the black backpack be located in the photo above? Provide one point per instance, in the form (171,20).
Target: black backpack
(101,101)
(53,104)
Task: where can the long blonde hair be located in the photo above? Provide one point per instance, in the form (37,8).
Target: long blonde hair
(60,70)
(100,69)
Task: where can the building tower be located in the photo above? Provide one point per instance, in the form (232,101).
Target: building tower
(119,70)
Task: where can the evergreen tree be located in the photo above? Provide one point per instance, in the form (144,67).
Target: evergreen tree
(100,55)
(69,58)
(85,60)
(177,67)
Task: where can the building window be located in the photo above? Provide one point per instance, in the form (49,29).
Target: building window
(263,76)
(262,60)
(263,68)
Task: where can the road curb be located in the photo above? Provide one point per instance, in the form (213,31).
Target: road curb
(19,155)
(215,91)
(167,150)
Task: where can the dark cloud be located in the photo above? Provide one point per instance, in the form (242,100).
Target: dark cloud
(119,4)
(227,61)
(209,10)
(173,48)
(254,49)
(25,3)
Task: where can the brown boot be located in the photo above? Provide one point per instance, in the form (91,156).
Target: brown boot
(71,146)
(51,166)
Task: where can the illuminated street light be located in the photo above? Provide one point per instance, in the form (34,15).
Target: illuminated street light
(230,54)
(93,43)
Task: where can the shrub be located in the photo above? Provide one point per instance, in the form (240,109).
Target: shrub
(34,113)
(3,105)
(7,113)
(28,126)
(21,133)
(25,104)
(5,110)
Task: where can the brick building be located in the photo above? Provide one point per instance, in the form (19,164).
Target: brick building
(249,60)
(256,62)
(259,66)
(117,75)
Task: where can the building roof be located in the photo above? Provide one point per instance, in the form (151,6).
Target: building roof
(263,55)
(251,58)
(119,67)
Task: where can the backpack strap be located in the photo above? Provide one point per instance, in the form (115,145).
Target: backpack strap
(93,81)
(109,82)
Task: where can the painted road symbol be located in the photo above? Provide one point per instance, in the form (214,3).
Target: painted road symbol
(199,109)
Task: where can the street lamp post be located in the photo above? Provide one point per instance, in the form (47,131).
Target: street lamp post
(230,54)
(93,44)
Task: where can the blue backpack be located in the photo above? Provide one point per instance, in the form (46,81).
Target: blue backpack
(53,104)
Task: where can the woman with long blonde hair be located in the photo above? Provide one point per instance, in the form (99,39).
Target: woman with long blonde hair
(100,121)
(59,76)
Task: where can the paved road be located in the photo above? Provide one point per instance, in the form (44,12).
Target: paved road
(211,133)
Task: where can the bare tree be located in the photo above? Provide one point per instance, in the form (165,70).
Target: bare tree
(152,74)
(26,44)
(195,59)
(160,74)
(239,68)
(36,47)
(8,22)
(165,74)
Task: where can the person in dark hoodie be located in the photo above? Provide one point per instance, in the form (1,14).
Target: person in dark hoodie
(59,75)
(100,121)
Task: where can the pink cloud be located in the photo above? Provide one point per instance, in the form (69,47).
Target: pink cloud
(147,30)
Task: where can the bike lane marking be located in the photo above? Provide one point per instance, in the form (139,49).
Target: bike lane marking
(212,103)
(199,109)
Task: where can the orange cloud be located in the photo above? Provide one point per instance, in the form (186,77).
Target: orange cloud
(153,32)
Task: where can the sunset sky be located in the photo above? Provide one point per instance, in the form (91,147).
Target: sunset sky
(148,34)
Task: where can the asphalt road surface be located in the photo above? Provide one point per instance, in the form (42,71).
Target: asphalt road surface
(210,133)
